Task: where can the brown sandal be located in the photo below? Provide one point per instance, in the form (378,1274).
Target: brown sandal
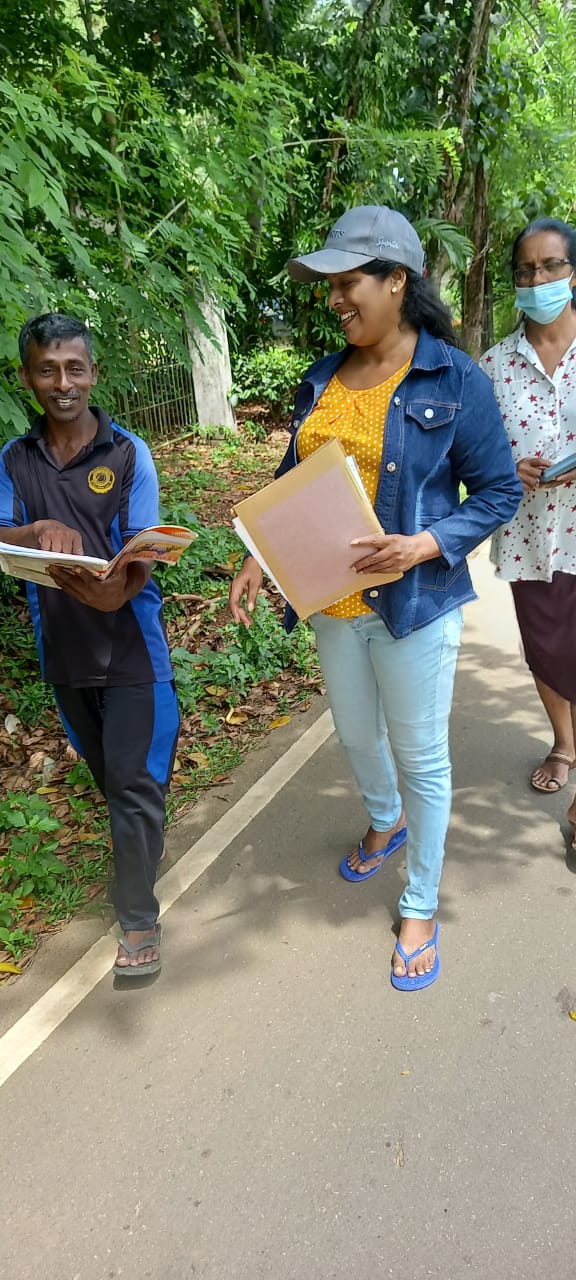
(553,785)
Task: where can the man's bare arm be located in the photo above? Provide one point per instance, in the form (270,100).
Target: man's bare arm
(44,535)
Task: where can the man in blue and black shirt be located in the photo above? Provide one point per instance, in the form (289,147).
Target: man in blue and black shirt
(78,482)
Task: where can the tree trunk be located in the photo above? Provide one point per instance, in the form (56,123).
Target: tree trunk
(85,7)
(209,10)
(268,41)
(239,54)
(474,317)
(488,318)
(455,191)
(211,372)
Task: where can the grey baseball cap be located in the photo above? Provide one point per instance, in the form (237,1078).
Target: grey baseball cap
(370,231)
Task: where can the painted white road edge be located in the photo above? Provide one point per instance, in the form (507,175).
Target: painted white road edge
(33,1028)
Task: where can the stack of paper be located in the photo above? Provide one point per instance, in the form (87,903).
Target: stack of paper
(300,529)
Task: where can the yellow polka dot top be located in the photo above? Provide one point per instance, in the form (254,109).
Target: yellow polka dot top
(357,419)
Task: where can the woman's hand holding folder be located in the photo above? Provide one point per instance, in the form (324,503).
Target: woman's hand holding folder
(395,552)
(300,530)
(391,553)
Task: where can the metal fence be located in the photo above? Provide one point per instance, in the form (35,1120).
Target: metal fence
(161,404)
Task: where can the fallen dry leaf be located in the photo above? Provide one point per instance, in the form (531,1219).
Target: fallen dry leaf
(6,967)
(236,717)
(279,722)
(217,690)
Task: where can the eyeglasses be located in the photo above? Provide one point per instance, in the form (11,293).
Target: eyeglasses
(549,270)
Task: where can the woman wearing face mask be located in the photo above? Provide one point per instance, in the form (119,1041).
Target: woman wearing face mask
(420,417)
(534,376)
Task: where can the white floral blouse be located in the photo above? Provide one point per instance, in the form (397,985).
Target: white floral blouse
(539,413)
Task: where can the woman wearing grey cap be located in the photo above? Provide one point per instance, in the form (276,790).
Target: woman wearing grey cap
(420,418)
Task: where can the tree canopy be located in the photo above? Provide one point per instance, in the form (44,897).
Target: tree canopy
(153,152)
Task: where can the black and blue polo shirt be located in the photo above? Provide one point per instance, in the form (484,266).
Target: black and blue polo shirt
(108,492)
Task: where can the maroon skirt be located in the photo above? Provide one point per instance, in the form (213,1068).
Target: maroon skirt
(546,613)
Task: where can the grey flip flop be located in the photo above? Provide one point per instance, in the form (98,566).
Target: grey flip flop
(133,949)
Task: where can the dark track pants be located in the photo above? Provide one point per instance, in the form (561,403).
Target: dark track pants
(128,739)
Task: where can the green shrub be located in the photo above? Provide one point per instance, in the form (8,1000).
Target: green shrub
(246,657)
(270,374)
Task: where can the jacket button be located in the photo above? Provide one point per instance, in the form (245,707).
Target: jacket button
(428,413)
(396,400)
(373,595)
(390,466)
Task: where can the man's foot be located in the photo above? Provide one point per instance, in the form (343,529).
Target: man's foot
(413,934)
(145,955)
(373,840)
(552,774)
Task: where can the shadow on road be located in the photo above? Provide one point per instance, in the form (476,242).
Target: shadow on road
(283,870)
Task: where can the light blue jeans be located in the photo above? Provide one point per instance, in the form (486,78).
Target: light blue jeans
(391,702)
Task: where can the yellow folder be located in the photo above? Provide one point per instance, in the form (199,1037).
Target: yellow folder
(300,528)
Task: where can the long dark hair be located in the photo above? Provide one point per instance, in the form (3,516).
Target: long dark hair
(421,306)
(549,224)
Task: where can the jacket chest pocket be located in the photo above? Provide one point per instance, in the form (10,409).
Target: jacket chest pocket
(428,413)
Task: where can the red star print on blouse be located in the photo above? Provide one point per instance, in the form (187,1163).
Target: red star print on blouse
(540,423)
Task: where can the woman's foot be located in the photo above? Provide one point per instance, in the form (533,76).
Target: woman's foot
(373,841)
(552,774)
(413,934)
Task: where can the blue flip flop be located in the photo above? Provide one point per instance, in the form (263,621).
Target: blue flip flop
(420,980)
(394,843)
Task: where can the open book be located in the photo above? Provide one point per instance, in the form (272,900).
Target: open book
(162,542)
(300,529)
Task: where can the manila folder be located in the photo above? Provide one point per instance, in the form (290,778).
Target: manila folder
(301,526)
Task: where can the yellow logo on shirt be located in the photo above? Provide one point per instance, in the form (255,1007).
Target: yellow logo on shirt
(101,480)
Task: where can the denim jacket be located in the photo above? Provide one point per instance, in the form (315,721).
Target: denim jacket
(443,428)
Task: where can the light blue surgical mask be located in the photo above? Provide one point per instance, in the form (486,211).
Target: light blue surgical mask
(543,303)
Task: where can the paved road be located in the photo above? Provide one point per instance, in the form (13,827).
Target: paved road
(271,1108)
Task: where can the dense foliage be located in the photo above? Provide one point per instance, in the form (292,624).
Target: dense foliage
(152,153)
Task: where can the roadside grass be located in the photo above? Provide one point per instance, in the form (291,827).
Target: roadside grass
(234,687)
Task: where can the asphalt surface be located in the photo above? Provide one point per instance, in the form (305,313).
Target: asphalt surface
(271,1107)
